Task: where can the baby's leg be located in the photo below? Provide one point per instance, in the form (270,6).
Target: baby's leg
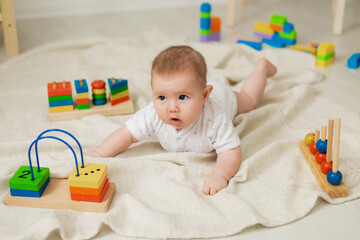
(253,88)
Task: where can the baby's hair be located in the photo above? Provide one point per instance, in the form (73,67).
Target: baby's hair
(178,59)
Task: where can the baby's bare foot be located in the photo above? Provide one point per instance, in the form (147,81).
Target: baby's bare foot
(266,65)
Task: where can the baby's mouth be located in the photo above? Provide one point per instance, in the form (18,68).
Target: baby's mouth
(175,121)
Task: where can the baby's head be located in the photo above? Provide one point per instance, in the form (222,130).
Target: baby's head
(178,82)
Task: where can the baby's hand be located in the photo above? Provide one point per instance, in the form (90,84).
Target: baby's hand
(92,153)
(214,183)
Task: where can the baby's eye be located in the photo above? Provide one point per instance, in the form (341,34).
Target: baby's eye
(183,97)
(162,98)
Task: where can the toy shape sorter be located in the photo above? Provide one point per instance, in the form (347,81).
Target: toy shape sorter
(61,105)
(210,27)
(278,33)
(86,189)
(323,159)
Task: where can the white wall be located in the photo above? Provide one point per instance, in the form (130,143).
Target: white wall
(48,8)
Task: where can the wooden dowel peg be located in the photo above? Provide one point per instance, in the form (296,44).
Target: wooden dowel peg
(323,133)
(336,144)
(317,135)
(330,140)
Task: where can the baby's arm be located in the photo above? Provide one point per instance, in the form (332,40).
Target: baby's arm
(115,143)
(227,165)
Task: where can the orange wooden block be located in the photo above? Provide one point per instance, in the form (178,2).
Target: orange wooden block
(59,89)
(82,101)
(88,191)
(120,100)
(276,28)
(215,24)
(91,198)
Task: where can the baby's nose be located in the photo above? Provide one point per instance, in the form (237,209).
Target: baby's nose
(173,107)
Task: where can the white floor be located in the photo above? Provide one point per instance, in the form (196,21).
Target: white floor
(313,22)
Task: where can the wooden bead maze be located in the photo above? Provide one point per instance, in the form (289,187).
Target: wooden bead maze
(327,174)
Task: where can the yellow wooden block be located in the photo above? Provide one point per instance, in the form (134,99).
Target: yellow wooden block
(304,48)
(321,63)
(61,109)
(98,91)
(263,27)
(325,48)
(84,95)
(91,176)
(119,95)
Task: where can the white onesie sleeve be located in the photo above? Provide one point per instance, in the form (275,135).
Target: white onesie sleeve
(142,124)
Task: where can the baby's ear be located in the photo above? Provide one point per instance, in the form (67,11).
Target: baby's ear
(207,91)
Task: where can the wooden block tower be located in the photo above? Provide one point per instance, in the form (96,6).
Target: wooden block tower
(60,97)
(91,184)
(278,33)
(82,94)
(23,184)
(99,92)
(325,54)
(119,90)
(210,27)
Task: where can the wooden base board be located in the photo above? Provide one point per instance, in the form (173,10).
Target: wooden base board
(57,196)
(338,191)
(107,110)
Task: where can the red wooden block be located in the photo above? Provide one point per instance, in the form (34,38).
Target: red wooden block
(59,89)
(120,100)
(91,198)
(82,101)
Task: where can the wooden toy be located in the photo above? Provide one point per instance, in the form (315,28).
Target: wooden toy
(321,144)
(210,27)
(354,61)
(99,92)
(119,90)
(82,94)
(33,187)
(254,43)
(120,102)
(60,97)
(334,176)
(334,191)
(325,54)
(263,30)
(309,138)
(312,146)
(326,165)
(304,48)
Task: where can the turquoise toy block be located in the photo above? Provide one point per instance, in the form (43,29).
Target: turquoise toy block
(354,61)
(22,178)
(257,45)
(288,27)
(81,88)
(29,193)
(60,103)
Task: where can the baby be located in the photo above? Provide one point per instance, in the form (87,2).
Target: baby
(190,114)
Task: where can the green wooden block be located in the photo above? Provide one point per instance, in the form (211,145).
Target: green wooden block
(205,32)
(278,19)
(324,58)
(22,178)
(120,89)
(205,14)
(83,106)
(99,96)
(60,98)
(291,35)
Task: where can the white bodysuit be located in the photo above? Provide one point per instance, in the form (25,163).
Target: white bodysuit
(213,130)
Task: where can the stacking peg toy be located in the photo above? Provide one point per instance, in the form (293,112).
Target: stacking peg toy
(321,146)
(326,165)
(312,146)
(334,176)
(82,94)
(99,92)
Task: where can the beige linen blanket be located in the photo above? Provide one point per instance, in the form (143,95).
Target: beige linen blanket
(159,194)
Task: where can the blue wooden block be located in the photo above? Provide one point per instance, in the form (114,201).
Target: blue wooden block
(255,45)
(205,8)
(118,84)
(275,41)
(288,27)
(99,102)
(205,23)
(29,193)
(81,89)
(354,61)
(60,103)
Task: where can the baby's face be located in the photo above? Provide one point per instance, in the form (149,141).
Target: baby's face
(179,98)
